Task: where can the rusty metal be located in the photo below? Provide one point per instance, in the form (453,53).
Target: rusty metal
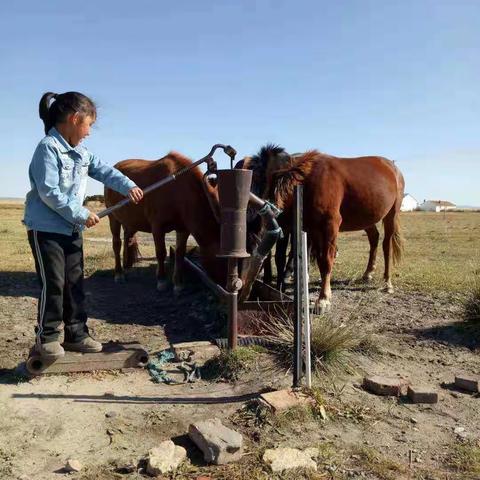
(233,196)
(271,234)
(233,286)
(208,159)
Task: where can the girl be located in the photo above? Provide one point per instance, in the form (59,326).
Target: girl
(55,218)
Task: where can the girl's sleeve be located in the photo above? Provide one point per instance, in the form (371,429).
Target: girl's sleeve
(44,169)
(109,176)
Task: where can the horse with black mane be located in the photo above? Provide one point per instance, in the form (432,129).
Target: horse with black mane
(340,194)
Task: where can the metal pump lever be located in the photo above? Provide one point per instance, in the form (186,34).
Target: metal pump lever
(208,159)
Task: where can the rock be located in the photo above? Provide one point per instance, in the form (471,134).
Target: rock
(111,414)
(469,383)
(165,458)
(218,443)
(458,430)
(280,459)
(384,386)
(282,400)
(420,394)
(72,465)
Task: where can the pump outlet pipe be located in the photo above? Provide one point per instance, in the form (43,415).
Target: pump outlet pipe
(273,232)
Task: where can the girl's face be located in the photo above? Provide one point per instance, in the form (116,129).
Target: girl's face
(80,128)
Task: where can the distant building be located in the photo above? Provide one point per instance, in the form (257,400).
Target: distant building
(436,206)
(409,204)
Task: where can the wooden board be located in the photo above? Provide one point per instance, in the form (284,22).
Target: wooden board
(113,357)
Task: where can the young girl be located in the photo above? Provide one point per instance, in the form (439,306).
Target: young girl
(55,218)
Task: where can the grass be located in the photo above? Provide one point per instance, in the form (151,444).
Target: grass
(332,341)
(442,250)
(376,464)
(229,365)
(465,458)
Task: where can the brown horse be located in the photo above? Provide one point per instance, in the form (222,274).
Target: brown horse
(184,205)
(340,194)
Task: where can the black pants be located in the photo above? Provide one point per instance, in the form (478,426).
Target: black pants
(59,266)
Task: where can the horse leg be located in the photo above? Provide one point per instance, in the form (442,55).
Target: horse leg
(180,250)
(280,260)
(326,251)
(267,269)
(115,228)
(161,253)
(392,244)
(373,237)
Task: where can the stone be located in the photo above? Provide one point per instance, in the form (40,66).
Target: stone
(198,352)
(73,465)
(422,394)
(165,458)
(469,383)
(384,385)
(111,414)
(219,444)
(281,400)
(280,459)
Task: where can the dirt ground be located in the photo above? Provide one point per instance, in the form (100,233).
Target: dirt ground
(418,335)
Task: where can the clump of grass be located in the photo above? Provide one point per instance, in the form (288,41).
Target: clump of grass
(230,364)
(331,341)
(465,458)
(376,464)
(472,303)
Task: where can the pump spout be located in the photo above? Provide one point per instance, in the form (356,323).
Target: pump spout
(272,233)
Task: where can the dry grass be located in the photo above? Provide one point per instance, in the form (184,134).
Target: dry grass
(376,464)
(332,341)
(464,458)
(436,249)
(229,365)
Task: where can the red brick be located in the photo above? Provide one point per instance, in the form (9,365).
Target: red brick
(384,385)
(422,394)
(282,400)
(470,383)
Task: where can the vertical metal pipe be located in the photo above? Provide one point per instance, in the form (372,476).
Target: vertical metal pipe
(306,312)
(233,286)
(297,297)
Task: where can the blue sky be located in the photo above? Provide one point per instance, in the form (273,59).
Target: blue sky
(398,79)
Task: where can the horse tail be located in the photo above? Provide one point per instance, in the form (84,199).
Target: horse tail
(397,240)
(131,252)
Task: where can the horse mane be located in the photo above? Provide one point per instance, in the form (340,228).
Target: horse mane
(261,159)
(283,181)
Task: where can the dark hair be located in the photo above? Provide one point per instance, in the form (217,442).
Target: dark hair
(63,105)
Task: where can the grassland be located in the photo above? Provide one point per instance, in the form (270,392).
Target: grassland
(442,250)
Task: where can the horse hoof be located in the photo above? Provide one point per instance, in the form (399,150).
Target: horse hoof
(120,278)
(162,285)
(178,290)
(387,289)
(323,306)
(367,278)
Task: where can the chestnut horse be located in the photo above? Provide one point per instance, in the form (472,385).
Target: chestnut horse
(184,205)
(340,194)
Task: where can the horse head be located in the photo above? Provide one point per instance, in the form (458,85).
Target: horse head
(269,159)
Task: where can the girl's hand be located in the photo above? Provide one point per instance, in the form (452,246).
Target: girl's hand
(92,220)
(135,194)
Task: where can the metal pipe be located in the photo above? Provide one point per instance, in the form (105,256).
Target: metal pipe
(297,293)
(306,312)
(230,151)
(217,289)
(233,285)
(273,232)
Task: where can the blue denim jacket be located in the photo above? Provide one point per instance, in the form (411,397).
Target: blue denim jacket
(58,177)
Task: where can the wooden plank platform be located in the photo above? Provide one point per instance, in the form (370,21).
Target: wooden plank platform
(114,356)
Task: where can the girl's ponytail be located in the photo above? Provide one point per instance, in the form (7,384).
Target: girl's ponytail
(64,104)
(44,110)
